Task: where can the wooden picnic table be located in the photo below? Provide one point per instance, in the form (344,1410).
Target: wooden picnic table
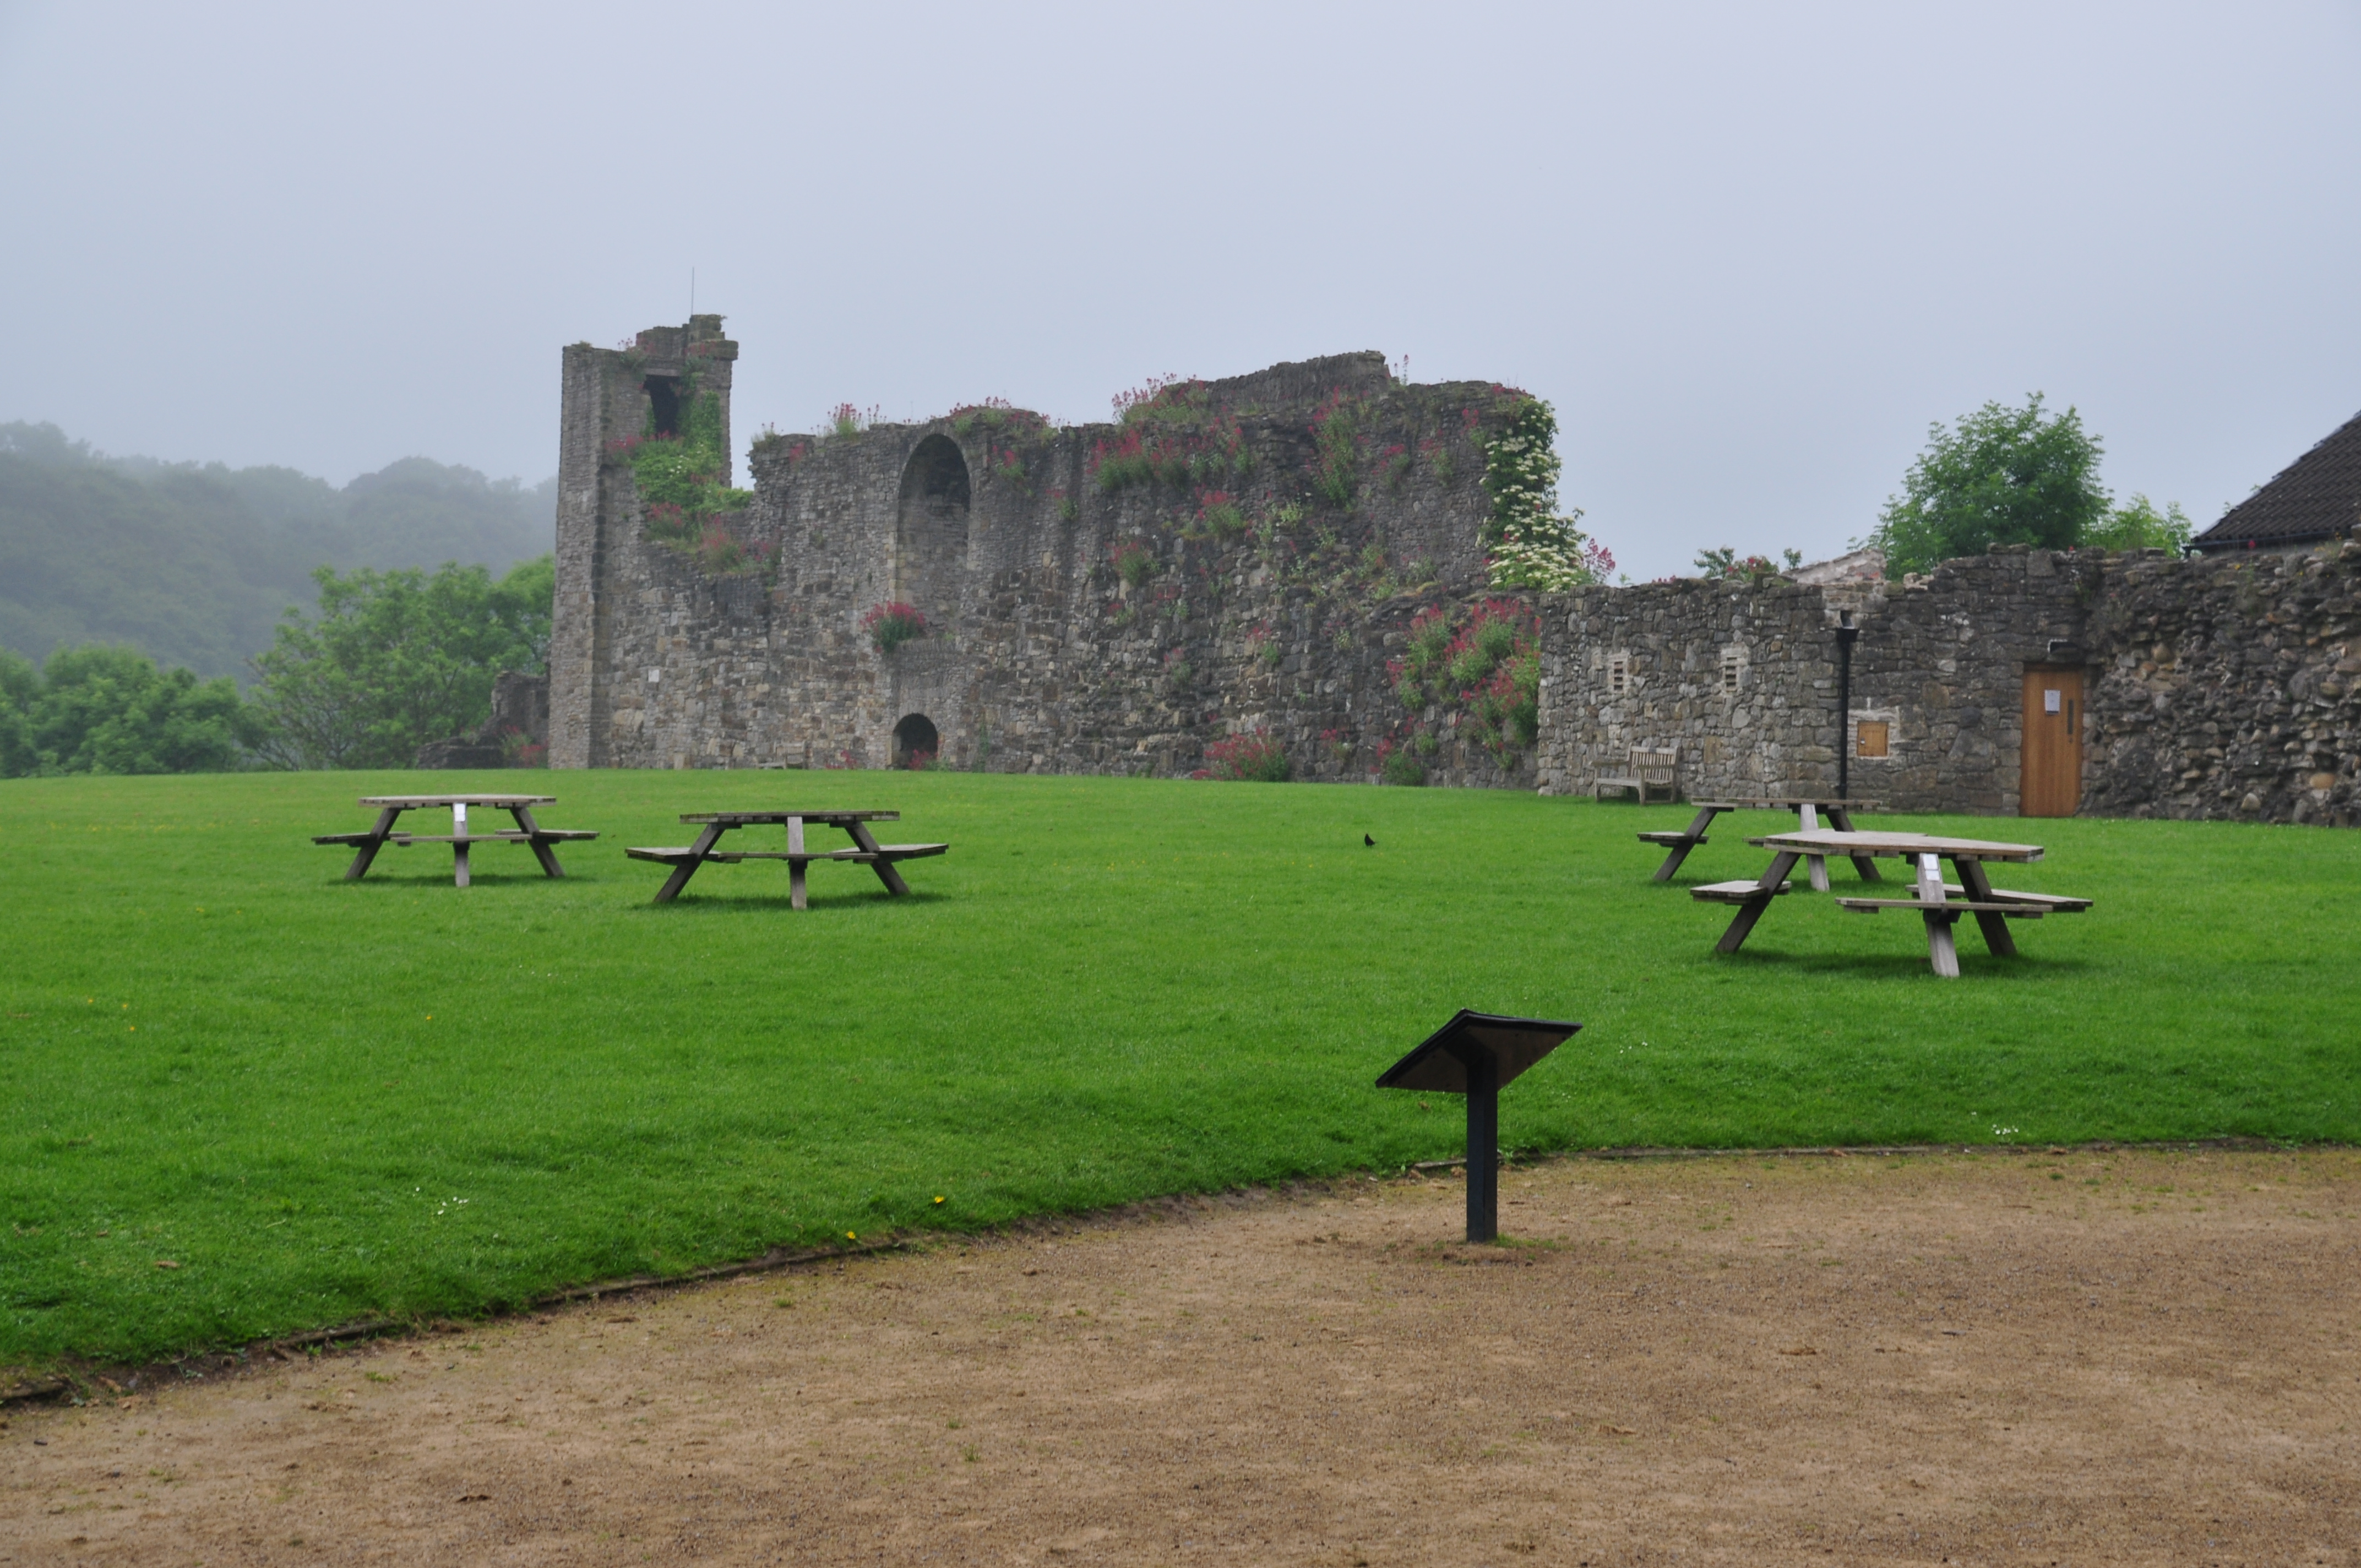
(866,850)
(1807,809)
(391,806)
(1932,896)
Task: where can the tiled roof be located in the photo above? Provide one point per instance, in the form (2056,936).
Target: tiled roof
(2317,494)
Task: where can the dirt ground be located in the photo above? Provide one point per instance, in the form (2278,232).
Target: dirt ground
(2069,1358)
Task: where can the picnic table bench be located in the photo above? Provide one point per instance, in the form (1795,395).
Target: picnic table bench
(1933,897)
(519,807)
(1807,809)
(866,850)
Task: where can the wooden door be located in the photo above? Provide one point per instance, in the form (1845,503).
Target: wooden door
(2051,784)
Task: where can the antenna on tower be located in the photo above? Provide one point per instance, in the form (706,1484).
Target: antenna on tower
(692,293)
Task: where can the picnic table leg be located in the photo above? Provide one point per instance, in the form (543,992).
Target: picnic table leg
(795,868)
(1942,953)
(541,853)
(1808,819)
(1751,910)
(687,868)
(885,869)
(459,844)
(1680,852)
(1978,887)
(1841,820)
(376,841)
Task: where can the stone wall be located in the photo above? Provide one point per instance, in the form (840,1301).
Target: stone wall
(2229,686)
(1273,586)
(2212,688)
(1275,610)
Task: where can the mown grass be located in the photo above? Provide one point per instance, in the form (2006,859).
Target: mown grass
(325,1100)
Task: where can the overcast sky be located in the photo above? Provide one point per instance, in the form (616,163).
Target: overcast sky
(1749,252)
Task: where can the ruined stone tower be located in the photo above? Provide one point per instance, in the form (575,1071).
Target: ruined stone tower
(609,399)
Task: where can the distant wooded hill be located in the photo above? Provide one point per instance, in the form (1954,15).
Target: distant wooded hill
(194,563)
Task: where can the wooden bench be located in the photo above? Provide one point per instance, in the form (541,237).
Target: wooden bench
(390,809)
(1739,892)
(1942,902)
(1682,841)
(684,858)
(1652,767)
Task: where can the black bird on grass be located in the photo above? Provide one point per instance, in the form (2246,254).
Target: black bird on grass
(1372,843)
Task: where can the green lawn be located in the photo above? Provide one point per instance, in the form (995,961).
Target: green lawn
(326,1101)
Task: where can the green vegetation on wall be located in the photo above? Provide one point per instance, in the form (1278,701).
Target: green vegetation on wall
(1529,544)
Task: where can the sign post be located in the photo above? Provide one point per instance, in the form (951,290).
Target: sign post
(1477,1054)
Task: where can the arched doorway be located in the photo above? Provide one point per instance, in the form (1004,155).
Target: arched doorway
(930,537)
(916,742)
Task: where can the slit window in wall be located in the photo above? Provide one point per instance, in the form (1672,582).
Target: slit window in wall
(1871,738)
(1733,670)
(1618,674)
(663,404)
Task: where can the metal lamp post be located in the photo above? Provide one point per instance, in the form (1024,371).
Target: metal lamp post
(1847,634)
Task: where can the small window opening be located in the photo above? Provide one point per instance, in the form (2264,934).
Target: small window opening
(1733,670)
(916,743)
(1870,737)
(1618,674)
(663,401)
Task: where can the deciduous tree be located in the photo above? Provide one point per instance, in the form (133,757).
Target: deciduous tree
(2002,476)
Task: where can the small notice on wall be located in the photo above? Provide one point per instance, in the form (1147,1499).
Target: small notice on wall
(2049,700)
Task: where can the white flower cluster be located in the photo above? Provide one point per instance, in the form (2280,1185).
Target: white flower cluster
(1545,553)
(1532,545)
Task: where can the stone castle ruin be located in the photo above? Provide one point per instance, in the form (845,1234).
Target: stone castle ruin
(1236,558)
(1290,568)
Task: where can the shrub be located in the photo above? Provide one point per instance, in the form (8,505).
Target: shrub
(1727,564)
(1337,449)
(720,552)
(99,709)
(1255,758)
(1529,543)
(518,750)
(397,659)
(1218,516)
(679,477)
(1134,561)
(892,624)
(1397,765)
(1491,668)
(1175,455)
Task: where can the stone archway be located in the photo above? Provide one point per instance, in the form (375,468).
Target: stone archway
(916,743)
(930,535)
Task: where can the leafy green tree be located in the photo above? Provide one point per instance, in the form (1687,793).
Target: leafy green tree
(20,687)
(397,659)
(2138,525)
(102,709)
(2002,475)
